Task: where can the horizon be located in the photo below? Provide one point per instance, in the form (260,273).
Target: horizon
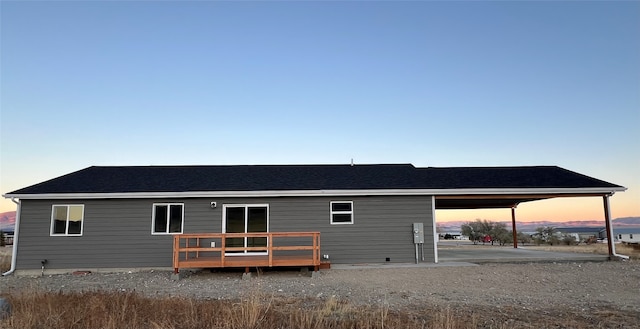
(435,84)
(459,220)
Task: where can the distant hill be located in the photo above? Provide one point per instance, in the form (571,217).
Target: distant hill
(7,220)
(625,222)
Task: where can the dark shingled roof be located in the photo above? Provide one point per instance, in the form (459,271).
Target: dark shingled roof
(508,177)
(124,179)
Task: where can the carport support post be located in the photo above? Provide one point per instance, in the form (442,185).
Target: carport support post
(607,220)
(513,226)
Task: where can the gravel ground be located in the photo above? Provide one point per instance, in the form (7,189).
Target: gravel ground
(540,287)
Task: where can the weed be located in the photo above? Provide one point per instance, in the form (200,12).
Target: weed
(100,309)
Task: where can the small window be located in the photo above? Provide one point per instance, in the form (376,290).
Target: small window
(67,219)
(341,212)
(167,218)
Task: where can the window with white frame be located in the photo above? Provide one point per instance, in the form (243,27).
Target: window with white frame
(341,212)
(66,220)
(167,218)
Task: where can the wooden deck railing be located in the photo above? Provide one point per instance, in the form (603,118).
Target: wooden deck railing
(209,250)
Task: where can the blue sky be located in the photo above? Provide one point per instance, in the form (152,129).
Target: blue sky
(428,83)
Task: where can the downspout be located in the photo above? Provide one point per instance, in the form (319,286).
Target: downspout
(16,234)
(610,237)
(435,231)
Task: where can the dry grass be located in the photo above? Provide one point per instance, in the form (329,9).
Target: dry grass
(42,310)
(5,259)
(129,310)
(633,251)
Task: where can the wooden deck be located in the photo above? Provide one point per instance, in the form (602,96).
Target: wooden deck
(210,250)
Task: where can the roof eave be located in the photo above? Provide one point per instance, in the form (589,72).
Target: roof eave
(364,192)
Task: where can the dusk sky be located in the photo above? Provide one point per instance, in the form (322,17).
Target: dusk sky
(423,82)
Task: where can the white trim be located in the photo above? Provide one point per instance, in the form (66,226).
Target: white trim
(276,193)
(341,212)
(66,225)
(246,207)
(153,217)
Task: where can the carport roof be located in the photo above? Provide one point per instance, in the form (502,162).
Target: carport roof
(454,187)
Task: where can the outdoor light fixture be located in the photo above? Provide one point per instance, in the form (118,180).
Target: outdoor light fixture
(213,204)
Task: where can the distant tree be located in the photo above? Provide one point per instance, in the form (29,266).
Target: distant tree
(484,230)
(549,231)
(547,234)
(500,233)
(448,236)
(473,230)
(554,240)
(487,228)
(2,242)
(524,238)
(537,239)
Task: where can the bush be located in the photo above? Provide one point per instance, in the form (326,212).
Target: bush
(569,240)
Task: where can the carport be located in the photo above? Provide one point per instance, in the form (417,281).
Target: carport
(507,187)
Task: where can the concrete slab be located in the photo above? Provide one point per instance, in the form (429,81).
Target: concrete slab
(472,255)
(498,254)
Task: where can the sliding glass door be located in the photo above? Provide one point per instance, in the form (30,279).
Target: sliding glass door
(246,218)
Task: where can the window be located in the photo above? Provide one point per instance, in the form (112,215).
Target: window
(67,219)
(341,212)
(167,218)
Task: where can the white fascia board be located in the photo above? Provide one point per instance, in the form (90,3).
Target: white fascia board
(238,194)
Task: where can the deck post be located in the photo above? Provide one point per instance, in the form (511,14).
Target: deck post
(315,249)
(270,248)
(176,253)
(223,251)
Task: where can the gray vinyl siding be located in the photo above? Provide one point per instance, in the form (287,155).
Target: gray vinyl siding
(381,229)
(117,232)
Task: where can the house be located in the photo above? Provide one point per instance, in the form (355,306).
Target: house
(627,234)
(581,233)
(122,217)
(7,236)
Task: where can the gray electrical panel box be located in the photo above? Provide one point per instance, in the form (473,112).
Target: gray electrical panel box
(418,233)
